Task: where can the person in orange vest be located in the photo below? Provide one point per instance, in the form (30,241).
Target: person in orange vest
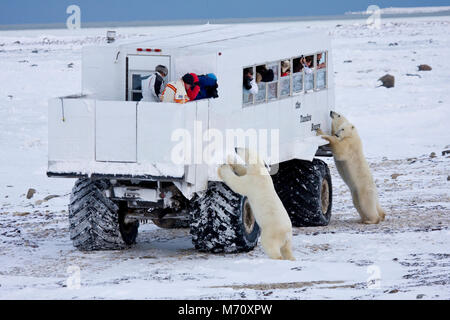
(175,92)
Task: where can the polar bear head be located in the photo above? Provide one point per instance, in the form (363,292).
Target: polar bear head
(337,122)
(345,130)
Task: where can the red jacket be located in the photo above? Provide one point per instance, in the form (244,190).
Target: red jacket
(194,90)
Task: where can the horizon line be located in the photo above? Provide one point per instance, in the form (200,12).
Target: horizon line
(149,23)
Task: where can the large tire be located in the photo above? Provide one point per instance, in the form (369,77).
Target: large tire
(222,221)
(306,192)
(96,222)
(128,231)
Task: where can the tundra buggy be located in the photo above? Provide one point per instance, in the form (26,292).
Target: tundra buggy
(126,152)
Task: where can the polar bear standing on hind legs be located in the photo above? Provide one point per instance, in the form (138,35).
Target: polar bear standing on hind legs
(348,155)
(254,182)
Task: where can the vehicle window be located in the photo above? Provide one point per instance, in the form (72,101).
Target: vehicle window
(266,73)
(321,78)
(308,70)
(248,85)
(281,79)
(275,70)
(321,60)
(135,85)
(272,89)
(247,97)
(136,82)
(266,78)
(285,78)
(285,86)
(296,65)
(261,96)
(285,67)
(297,77)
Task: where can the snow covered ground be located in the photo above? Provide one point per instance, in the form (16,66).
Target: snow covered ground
(407,256)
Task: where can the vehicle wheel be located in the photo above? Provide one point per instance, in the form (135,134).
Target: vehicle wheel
(306,191)
(128,231)
(222,221)
(96,222)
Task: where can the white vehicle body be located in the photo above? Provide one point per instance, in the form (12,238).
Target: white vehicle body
(104,133)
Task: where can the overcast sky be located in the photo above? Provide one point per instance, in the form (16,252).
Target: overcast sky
(54,11)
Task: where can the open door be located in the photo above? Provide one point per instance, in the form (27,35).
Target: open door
(138,67)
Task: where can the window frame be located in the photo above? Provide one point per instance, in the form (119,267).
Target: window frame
(302,91)
(326,70)
(246,104)
(313,74)
(291,78)
(273,81)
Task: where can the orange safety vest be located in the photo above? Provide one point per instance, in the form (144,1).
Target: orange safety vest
(175,93)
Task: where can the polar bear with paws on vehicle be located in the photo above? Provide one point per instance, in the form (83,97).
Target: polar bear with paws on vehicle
(254,182)
(338,120)
(353,168)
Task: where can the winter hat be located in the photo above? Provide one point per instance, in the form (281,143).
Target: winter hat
(161,69)
(188,79)
(212,76)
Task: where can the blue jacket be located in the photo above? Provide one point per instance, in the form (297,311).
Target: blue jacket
(206,83)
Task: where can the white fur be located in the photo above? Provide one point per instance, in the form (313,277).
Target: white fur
(352,166)
(254,182)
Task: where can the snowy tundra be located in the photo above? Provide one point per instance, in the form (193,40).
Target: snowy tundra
(405,135)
